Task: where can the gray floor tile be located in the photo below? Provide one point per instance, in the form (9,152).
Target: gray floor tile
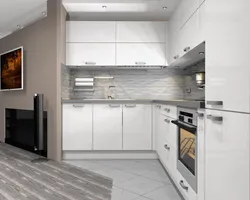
(121,194)
(164,193)
(140,185)
(119,176)
(158,175)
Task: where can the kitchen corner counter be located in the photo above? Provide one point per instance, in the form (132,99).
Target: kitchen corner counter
(179,103)
(109,101)
(183,103)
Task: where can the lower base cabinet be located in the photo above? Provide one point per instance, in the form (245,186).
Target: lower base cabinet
(77,127)
(107,127)
(227,155)
(166,139)
(137,128)
(184,188)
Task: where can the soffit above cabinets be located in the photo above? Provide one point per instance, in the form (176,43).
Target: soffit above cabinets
(16,14)
(120,9)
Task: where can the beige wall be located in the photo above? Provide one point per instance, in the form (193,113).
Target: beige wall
(43,55)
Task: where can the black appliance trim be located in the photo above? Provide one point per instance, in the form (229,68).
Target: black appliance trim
(184,126)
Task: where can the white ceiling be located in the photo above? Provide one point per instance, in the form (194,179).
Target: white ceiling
(120,9)
(15,14)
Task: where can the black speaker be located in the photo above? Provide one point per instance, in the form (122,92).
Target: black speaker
(39,136)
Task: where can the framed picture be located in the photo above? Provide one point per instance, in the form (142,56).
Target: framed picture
(11,69)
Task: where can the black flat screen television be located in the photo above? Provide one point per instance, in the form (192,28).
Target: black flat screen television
(20,129)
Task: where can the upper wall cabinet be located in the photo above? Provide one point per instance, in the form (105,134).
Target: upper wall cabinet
(185,37)
(185,10)
(90,54)
(227,53)
(140,54)
(141,32)
(90,31)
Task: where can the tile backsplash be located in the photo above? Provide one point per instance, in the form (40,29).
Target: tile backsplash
(132,84)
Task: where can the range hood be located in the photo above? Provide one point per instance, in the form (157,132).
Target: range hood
(192,57)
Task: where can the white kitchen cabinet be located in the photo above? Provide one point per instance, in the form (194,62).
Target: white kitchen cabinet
(189,193)
(137,127)
(185,10)
(149,31)
(90,54)
(169,111)
(156,122)
(107,127)
(227,52)
(166,151)
(186,28)
(90,31)
(201,154)
(227,155)
(77,127)
(141,54)
(189,34)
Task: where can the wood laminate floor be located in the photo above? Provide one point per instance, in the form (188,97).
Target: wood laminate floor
(20,179)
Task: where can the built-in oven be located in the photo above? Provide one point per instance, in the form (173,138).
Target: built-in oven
(187,145)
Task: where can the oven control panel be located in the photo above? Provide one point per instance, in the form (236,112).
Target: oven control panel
(188,116)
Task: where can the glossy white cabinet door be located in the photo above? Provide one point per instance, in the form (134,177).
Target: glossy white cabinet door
(174,40)
(141,54)
(185,10)
(141,31)
(227,53)
(188,194)
(90,54)
(227,156)
(77,127)
(166,152)
(156,121)
(90,31)
(201,154)
(189,34)
(107,127)
(137,127)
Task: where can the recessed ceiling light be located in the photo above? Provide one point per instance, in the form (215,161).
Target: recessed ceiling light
(201,53)
(164,7)
(104,7)
(44,13)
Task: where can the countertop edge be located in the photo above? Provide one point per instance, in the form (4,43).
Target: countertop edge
(178,103)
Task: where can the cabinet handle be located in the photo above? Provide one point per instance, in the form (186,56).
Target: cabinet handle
(186,49)
(140,63)
(78,106)
(90,63)
(130,106)
(114,106)
(215,118)
(183,185)
(215,103)
(167,120)
(167,110)
(176,57)
(166,147)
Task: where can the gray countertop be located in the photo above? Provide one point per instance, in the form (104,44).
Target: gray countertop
(179,103)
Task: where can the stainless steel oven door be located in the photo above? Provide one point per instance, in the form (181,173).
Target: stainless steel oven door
(187,152)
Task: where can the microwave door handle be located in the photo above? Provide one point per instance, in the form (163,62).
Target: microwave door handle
(186,127)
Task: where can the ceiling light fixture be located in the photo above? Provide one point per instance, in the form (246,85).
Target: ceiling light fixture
(201,53)
(104,7)
(164,7)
